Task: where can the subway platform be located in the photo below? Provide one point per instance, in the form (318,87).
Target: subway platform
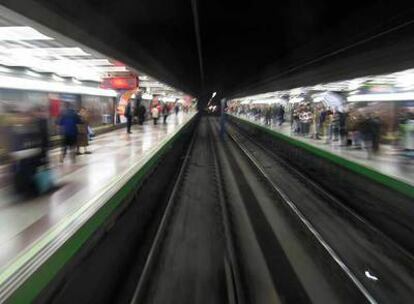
(389,162)
(34,229)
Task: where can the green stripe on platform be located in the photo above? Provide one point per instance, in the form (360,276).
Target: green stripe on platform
(388,181)
(31,289)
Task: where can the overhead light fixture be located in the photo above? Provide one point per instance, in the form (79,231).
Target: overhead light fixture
(21,33)
(94,62)
(57,78)
(44,52)
(32,74)
(382,97)
(147,96)
(111,69)
(74,80)
(5,70)
(169,99)
(296,99)
(19,83)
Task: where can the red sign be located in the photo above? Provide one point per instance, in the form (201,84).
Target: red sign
(120,83)
(54,108)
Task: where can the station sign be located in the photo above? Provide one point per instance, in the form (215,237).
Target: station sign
(120,83)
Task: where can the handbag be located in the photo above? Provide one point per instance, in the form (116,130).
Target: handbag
(91,133)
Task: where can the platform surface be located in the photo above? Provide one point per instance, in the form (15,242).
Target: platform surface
(24,222)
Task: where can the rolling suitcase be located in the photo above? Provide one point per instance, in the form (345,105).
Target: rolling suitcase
(44,180)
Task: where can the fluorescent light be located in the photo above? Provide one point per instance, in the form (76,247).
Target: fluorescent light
(74,80)
(94,62)
(168,99)
(20,33)
(57,78)
(146,96)
(382,97)
(4,69)
(111,69)
(33,74)
(296,99)
(65,51)
(51,87)
(46,52)
(152,84)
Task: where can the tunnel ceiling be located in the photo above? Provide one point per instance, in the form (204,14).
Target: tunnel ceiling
(246,46)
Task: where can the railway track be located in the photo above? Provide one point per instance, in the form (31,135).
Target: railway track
(376,265)
(192,259)
(230,234)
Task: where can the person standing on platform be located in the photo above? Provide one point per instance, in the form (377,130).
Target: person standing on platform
(40,119)
(141,113)
(222,118)
(165,112)
(128,116)
(177,107)
(155,114)
(68,123)
(83,134)
(138,101)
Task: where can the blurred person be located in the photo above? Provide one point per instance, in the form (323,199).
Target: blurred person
(335,122)
(43,178)
(138,101)
(329,123)
(376,124)
(323,128)
(155,102)
(25,151)
(342,128)
(313,122)
(354,119)
(370,134)
(317,122)
(176,107)
(165,112)
(305,119)
(274,114)
(268,115)
(141,113)
(407,140)
(128,116)
(281,115)
(41,121)
(295,120)
(68,123)
(155,114)
(83,133)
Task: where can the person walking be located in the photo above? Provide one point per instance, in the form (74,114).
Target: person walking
(177,107)
(165,112)
(83,134)
(155,114)
(281,115)
(128,116)
(141,113)
(68,122)
(40,119)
